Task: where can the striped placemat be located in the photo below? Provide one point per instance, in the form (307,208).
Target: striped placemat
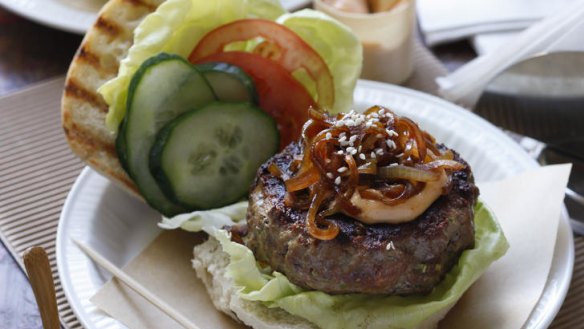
(37,171)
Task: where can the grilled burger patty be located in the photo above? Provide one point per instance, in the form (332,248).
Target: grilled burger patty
(403,259)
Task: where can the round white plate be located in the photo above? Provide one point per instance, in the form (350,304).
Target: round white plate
(119,226)
(77,16)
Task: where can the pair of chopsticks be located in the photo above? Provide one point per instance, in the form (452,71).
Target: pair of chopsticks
(134,285)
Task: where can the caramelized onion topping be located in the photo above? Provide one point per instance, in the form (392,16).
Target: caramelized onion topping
(378,155)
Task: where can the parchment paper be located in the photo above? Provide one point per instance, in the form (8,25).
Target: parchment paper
(528,207)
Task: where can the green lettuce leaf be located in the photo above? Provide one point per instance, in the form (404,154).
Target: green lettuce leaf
(336,44)
(352,310)
(178,25)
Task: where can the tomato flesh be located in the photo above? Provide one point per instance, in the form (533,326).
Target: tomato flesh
(280,95)
(287,49)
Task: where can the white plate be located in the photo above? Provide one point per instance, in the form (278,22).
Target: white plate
(77,16)
(118,226)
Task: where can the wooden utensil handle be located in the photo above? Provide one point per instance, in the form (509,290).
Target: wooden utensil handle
(40,276)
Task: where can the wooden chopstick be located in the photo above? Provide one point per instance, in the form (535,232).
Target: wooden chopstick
(134,285)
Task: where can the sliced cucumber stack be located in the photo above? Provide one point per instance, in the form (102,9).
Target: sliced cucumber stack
(184,149)
(208,157)
(164,87)
(229,82)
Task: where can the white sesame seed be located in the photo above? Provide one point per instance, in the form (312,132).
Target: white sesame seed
(350,149)
(350,123)
(354,151)
(360,148)
(368,124)
(338,180)
(374,115)
(346,143)
(330,175)
(390,144)
(343,135)
(342,170)
(340,152)
(373,156)
(391,133)
(329,135)
(342,138)
(379,151)
(399,155)
(353,138)
(340,123)
(362,156)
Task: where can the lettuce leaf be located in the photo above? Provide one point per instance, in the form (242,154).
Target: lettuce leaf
(336,44)
(352,310)
(178,25)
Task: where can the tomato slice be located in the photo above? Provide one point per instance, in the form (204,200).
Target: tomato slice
(282,45)
(280,95)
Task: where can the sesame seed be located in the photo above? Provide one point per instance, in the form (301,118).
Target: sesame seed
(329,135)
(360,148)
(390,144)
(354,151)
(330,175)
(340,152)
(379,151)
(368,124)
(346,143)
(350,123)
(343,137)
(399,155)
(373,156)
(392,133)
(340,123)
(350,149)
(342,169)
(338,180)
(353,138)
(362,156)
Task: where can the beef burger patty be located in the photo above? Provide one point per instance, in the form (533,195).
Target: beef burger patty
(395,259)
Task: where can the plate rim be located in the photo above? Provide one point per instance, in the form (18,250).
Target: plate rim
(564,229)
(36,11)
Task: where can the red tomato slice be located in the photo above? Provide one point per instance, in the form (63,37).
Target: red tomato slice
(283,46)
(281,96)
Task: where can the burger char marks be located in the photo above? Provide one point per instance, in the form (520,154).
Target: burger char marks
(403,259)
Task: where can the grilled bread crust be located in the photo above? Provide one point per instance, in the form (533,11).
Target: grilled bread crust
(97,60)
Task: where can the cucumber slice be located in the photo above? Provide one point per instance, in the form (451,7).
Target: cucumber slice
(164,87)
(207,158)
(229,82)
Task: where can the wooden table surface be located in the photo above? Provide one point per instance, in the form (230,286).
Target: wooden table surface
(29,54)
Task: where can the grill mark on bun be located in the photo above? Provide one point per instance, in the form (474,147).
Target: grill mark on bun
(74,89)
(88,57)
(79,135)
(85,55)
(108,27)
(142,3)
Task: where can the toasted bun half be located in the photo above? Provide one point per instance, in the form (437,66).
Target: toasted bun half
(210,262)
(97,60)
